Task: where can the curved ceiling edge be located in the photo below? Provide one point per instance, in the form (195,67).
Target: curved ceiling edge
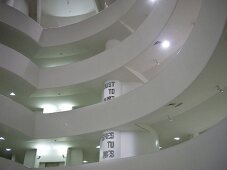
(66,34)
(113,58)
(20,21)
(18,64)
(86,28)
(196,53)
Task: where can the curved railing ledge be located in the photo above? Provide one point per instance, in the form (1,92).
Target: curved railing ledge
(97,66)
(18,64)
(16,116)
(86,28)
(195,54)
(142,101)
(205,152)
(113,58)
(67,34)
(20,21)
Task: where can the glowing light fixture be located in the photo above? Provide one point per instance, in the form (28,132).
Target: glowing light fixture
(98,147)
(12,94)
(165,44)
(8,149)
(156,143)
(2,138)
(176,138)
(48,108)
(153,1)
(65,107)
(84,161)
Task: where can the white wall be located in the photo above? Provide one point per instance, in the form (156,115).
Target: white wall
(138,143)
(30,158)
(74,157)
(76,32)
(195,54)
(48,21)
(21,5)
(20,21)
(6,164)
(206,152)
(16,116)
(18,64)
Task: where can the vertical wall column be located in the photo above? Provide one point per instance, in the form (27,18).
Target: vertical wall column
(29,158)
(74,157)
(115,144)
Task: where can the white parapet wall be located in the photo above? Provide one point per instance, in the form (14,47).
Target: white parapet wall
(196,53)
(205,152)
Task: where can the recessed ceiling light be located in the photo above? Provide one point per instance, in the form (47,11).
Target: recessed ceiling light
(176,138)
(165,44)
(2,138)
(98,147)
(84,161)
(153,1)
(8,149)
(12,94)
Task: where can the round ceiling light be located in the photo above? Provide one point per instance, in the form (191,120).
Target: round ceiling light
(165,44)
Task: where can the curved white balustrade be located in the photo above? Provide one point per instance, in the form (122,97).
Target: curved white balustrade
(205,152)
(103,63)
(66,34)
(21,22)
(18,64)
(195,53)
(86,28)
(16,116)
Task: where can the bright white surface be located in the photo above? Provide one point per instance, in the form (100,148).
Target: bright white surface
(21,5)
(68,8)
(18,64)
(82,30)
(16,116)
(138,143)
(20,21)
(195,54)
(205,152)
(113,58)
(131,106)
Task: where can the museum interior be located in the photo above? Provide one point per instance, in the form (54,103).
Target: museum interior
(113,84)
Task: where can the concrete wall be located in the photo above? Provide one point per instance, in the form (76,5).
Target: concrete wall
(206,152)
(196,52)
(6,164)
